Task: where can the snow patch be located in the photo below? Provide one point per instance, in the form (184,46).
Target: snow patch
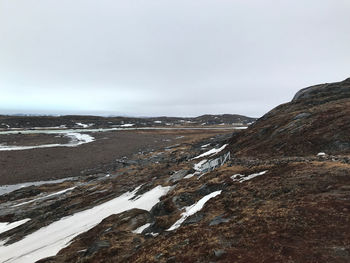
(127,125)
(198,166)
(211,152)
(48,240)
(191,210)
(241,178)
(8,226)
(76,140)
(83,125)
(189,176)
(5,189)
(45,197)
(141,228)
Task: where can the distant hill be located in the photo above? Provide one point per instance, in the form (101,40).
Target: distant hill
(77,121)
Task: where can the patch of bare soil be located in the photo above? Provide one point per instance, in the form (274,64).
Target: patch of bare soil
(97,156)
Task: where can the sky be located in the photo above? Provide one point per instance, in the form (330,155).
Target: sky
(162,57)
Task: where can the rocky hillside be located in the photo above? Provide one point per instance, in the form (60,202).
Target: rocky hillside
(316,120)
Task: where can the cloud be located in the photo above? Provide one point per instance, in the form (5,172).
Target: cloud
(167,57)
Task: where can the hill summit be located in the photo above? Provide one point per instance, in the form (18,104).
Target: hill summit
(316,120)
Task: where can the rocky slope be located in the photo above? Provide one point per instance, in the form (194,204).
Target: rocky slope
(316,120)
(276,202)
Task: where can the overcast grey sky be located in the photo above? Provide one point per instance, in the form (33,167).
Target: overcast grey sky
(162,57)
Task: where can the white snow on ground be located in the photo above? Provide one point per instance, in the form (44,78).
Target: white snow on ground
(198,166)
(211,152)
(7,226)
(127,125)
(157,121)
(141,228)
(241,178)
(5,189)
(45,197)
(84,125)
(321,154)
(48,240)
(189,176)
(76,140)
(205,145)
(191,210)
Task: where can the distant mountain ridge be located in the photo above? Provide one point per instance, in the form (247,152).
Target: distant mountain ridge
(76,121)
